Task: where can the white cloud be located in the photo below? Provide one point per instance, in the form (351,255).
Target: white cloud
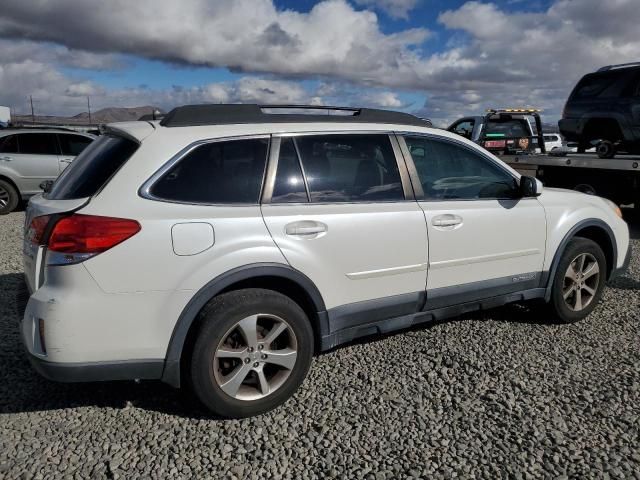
(382,100)
(494,58)
(393,8)
(332,39)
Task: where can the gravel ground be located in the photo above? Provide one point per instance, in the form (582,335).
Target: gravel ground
(500,395)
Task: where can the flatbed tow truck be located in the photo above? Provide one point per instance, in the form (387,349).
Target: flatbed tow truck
(617,179)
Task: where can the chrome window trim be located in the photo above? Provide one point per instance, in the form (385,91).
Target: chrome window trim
(145,190)
(415,178)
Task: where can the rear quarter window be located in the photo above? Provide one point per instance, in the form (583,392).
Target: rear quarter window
(93,168)
(226,172)
(595,85)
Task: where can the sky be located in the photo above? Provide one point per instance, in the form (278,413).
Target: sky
(437,58)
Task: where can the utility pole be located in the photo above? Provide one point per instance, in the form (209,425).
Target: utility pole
(33,117)
(89,109)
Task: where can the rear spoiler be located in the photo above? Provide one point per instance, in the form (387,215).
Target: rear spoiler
(135,131)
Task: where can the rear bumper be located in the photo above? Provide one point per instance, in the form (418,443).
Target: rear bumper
(97,371)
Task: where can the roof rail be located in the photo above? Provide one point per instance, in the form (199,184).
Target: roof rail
(226,114)
(19,126)
(620,65)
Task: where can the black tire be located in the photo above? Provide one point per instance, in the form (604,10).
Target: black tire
(9,198)
(606,149)
(216,319)
(559,307)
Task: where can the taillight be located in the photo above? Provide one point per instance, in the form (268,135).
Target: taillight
(78,237)
(35,233)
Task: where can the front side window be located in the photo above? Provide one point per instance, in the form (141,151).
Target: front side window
(217,172)
(464,128)
(38,143)
(350,168)
(448,171)
(9,144)
(73,145)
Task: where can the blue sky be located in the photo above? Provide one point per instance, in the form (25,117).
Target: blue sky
(442,59)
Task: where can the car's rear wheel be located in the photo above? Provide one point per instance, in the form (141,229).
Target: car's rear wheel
(252,352)
(9,197)
(606,149)
(579,280)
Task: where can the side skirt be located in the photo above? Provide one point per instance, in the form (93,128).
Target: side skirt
(388,325)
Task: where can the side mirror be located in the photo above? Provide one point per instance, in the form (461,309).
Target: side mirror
(530,187)
(46,186)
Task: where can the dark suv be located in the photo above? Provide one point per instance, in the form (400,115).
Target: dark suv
(604,110)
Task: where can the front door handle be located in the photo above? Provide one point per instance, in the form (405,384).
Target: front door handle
(306,229)
(447,221)
(66,160)
(6,159)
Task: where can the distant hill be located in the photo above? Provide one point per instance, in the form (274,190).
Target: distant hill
(105,115)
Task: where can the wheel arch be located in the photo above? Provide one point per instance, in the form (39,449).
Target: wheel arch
(592,229)
(272,276)
(10,181)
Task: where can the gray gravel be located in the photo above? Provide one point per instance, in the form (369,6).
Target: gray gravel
(500,394)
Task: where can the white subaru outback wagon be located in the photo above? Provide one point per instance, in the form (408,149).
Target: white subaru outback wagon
(222,246)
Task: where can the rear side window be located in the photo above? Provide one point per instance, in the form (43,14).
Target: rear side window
(93,168)
(350,168)
(73,145)
(289,184)
(9,144)
(595,85)
(215,173)
(38,143)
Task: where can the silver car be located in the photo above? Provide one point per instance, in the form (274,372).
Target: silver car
(29,157)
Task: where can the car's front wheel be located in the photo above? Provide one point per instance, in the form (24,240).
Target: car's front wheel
(579,280)
(252,352)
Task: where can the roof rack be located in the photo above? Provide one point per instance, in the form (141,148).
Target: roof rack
(620,65)
(226,114)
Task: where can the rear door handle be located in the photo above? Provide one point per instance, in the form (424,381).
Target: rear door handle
(447,221)
(6,159)
(305,229)
(66,160)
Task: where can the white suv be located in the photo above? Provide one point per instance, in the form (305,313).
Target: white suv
(223,246)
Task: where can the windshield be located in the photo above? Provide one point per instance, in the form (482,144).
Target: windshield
(93,168)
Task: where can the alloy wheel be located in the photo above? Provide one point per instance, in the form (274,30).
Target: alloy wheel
(4,197)
(255,357)
(581,282)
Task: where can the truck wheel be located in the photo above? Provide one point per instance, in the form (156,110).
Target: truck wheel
(606,149)
(579,280)
(252,352)
(9,197)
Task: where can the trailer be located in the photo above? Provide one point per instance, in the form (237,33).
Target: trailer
(617,179)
